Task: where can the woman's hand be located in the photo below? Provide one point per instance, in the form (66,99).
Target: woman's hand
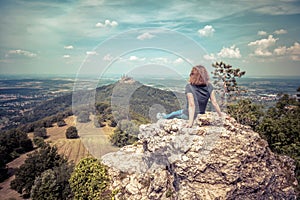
(189,124)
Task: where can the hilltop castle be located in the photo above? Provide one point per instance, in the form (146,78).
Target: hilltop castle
(126,79)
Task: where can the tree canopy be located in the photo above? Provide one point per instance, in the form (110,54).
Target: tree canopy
(41,160)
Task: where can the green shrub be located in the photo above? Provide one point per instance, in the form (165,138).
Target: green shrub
(72,132)
(39,141)
(125,133)
(90,180)
(61,123)
(246,112)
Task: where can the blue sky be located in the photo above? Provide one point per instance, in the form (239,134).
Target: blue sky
(126,36)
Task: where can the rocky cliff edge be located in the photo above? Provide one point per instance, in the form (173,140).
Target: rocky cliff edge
(215,159)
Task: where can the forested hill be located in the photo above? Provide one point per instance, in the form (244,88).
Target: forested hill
(141,99)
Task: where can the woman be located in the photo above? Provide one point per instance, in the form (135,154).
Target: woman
(198,91)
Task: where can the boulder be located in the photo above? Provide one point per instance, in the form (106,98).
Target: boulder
(215,159)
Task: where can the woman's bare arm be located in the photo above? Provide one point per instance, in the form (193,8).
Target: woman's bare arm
(191,108)
(215,104)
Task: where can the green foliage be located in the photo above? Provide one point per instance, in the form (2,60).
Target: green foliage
(225,73)
(72,132)
(12,144)
(144,97)
(125,133)
(99,121)
(45,122)
(36,163)
(246,112)
(90,180)
(61,123)
(3,170)
(40,132)
(138,118)
(53,110)
(104,114)
(14,141)
(281,127)
(53,184)
(39,141)
(140,102)
(45,187)
(225,81)
(102,107)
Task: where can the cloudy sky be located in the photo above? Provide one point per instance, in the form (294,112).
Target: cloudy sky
(118,36)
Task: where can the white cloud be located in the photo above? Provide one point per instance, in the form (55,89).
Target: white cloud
(280,50)
(21,52)
(207,31)
(178,61)
(280,32)
(108,57)
(262,46)
(226,52)
(135,58)
(68,47)
(91,53)
(161,60)
(293,51)
(66,56)
(231,52)
(145,35)
(262,33)
(107,23)
(210,57)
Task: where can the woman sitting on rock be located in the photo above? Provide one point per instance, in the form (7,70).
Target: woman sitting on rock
(198,91)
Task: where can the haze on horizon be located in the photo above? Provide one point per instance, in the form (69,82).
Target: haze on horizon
(63,37)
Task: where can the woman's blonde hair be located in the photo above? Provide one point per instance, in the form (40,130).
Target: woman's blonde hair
(199,76)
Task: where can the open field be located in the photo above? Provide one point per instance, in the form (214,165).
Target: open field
(72,149)
(95,139)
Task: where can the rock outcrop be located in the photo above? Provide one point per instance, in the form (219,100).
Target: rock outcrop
(215,159)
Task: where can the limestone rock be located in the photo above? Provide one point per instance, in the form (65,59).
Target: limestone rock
(215,159)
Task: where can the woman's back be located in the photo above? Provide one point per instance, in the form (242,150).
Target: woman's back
(201,95)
